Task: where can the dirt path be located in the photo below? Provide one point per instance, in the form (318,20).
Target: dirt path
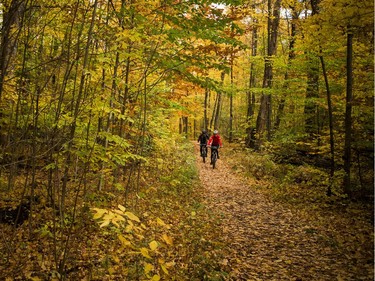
(267,241)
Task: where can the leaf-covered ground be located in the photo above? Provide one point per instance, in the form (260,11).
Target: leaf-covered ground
(223,226)
(267,240)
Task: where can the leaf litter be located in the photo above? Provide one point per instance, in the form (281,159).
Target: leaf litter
(267,240)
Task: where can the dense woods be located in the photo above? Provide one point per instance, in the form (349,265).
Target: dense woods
(98,97)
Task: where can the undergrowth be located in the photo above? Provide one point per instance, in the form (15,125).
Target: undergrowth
(172,236)
(302,187)
(159,229)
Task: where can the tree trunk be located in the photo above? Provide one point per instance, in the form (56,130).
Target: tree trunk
(264,114)
(250,131)
(331,137)
(185,126)
(77,107)
(214,110)
(348,113)
(312,92)
(291,56)
(127,67)
(231,103)
(8,39)
(218,104)
(205,107)
(68,161)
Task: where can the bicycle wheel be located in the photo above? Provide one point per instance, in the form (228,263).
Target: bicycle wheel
(214,158)
(204,153)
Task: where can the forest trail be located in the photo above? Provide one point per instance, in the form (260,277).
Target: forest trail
(268,241)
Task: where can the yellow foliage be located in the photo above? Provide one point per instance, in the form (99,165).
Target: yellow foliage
(167,239)
(155,278)
(124,241)
(148,268)
(131,216)
(153,245)
(160,222)
(165,270)
(131,237)
(105,223)
(99,213)
(144,252)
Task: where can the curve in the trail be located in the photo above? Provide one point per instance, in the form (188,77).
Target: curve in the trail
(266,240)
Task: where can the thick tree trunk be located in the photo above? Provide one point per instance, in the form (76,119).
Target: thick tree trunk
(291,56)
(264,114)
(9,36)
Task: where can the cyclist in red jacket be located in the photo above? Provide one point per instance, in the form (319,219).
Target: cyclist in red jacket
(215,142)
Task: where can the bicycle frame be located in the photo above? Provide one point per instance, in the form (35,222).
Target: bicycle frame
(204,149)
(214,151)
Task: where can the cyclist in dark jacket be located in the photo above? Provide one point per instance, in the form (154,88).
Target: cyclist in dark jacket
(202,139)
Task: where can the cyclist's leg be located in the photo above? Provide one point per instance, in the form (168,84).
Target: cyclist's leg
(214,158)
(201,145)
(213,151)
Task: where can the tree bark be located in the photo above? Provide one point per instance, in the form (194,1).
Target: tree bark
(9,40)
(312,90)
(205,107)
(348,113)
(218,104)
(312,93)
(264,115)
(291,56)
(127,67)
(331,137)
(212,121)
(231,103)
(250,131)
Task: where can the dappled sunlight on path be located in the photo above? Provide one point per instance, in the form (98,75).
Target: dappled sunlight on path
(266,240)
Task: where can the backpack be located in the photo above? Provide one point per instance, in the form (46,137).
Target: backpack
(203,138)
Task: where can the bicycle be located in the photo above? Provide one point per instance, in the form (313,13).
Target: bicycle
(204,152)
(214,153)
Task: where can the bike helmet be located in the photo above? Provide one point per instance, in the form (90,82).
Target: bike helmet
(216,132)
(203,131)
